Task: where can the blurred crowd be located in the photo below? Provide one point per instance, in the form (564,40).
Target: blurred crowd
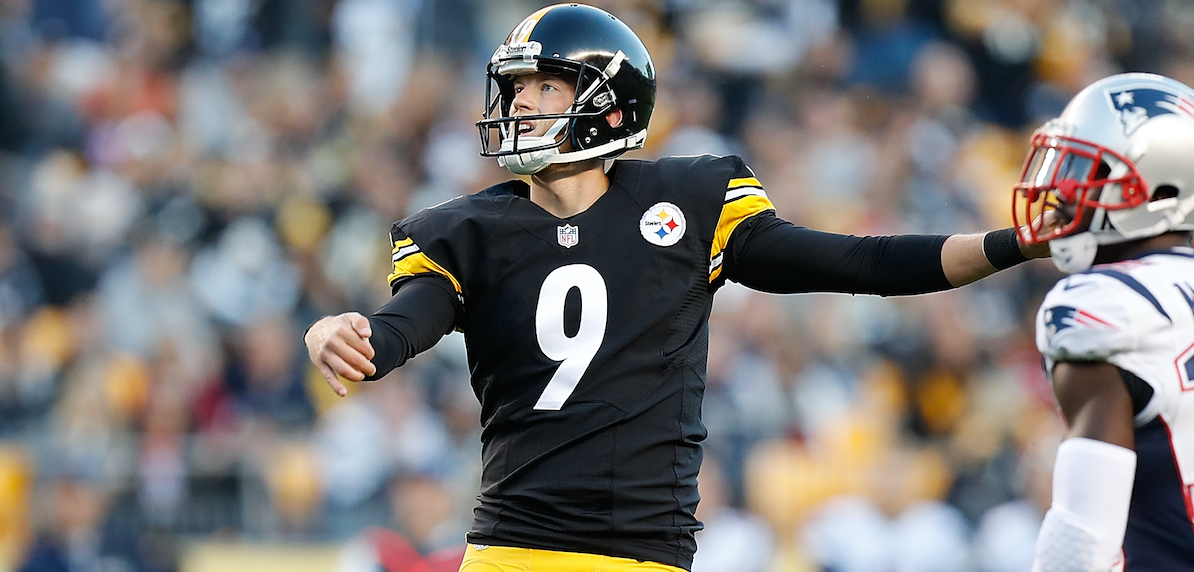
(185,185)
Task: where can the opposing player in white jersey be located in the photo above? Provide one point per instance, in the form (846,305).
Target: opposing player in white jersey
(1117,334)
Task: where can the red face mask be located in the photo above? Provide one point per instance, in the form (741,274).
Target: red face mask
(1072,177)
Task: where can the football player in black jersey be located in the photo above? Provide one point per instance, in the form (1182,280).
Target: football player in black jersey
(584,299)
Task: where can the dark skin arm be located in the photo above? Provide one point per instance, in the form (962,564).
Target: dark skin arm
(1095,402)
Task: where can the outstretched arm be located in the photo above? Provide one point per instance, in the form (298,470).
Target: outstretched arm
(422,310)
(966,258)
(1095,467)
(770,254)
(969,257)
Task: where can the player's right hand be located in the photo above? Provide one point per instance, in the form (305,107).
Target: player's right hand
(339,346)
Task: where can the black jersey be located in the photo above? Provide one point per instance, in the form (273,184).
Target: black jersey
(587,343)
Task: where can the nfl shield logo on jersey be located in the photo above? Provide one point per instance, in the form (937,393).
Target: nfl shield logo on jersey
(568,235)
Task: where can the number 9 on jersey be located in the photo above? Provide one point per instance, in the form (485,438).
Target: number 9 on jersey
(574,353)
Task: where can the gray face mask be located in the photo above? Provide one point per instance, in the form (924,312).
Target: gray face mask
(532,162)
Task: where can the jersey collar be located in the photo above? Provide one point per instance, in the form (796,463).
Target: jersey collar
(1175,251)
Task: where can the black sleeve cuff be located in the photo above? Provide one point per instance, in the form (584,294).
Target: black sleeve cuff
(1002,249)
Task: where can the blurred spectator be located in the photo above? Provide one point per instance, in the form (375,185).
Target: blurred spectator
(20,286)
(901,530)
(388,551)
(886,39)
(697,117)
(733,540)
(72,540)
(1005,540)
(245,277)
(151,310)
(264,374)
(161,468)
(375,44)
(424,510)
(839,164)
(292,475)
(222,27)
(16,480)
(740,43)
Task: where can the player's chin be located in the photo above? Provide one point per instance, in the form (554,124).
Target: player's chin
(1064,219)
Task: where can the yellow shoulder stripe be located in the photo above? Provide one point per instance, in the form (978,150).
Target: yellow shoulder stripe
(410,261)
(732,214)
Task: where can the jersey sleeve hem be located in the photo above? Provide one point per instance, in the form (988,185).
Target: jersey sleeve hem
(744,198)
(410,260)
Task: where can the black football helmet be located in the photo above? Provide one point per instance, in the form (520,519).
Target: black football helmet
(612,70)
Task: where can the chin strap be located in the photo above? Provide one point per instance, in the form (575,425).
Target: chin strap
(626,143)
(534,161)
(1074,253)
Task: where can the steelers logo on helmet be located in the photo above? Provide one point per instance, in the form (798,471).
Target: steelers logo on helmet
(663,224)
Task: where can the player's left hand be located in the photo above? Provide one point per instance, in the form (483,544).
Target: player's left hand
(1049,223)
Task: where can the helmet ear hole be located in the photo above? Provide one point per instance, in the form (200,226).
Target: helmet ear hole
(615,117)
(1164,192)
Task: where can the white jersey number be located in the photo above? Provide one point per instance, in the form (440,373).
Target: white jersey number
(574,353)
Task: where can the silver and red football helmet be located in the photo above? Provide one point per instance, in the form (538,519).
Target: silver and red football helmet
(1117,165)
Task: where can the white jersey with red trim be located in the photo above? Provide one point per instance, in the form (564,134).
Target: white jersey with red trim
(1138,315)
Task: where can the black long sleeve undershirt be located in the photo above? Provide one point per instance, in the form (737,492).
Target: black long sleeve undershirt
(422,310)
(776,256)
(767,254)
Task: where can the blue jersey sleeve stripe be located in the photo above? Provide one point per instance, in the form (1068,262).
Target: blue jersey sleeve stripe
(1135,285)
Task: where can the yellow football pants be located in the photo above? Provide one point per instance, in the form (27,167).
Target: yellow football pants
(506,559)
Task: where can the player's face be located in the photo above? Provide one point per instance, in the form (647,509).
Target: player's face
(1067,211)
(538,94)
(1074,201)
(1066,176)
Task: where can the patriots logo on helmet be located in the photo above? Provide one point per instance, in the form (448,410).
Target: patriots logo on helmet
(1137,106)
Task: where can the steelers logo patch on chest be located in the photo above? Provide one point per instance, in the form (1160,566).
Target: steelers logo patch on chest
(662,224)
